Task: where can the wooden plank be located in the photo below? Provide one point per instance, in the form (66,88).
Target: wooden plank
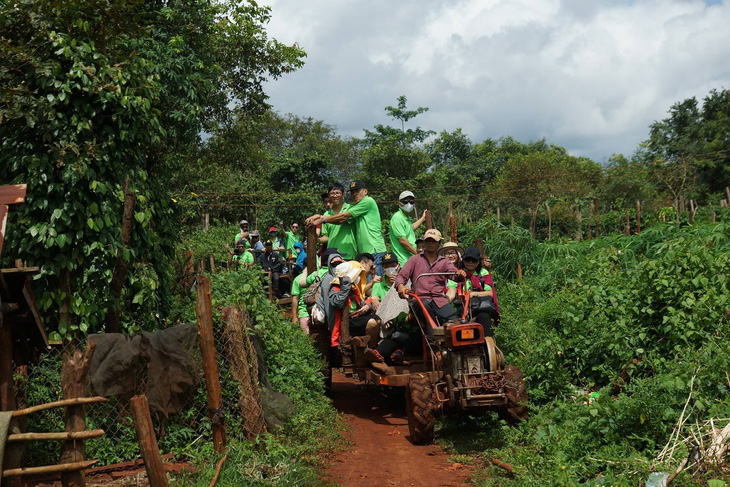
(71,435)
(147,441)
(59,404)
(62,468)
(20,270)
(30,299)
(210,368)
(13,194)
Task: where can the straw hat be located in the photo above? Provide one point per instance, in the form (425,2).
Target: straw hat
(450,246)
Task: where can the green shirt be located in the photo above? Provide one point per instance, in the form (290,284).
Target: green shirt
(368,230)
(239,237)
(483,272)
(291,239)
(341,237)
(401,226)
(298,291)
(453,285)
(379,289)
(245,258)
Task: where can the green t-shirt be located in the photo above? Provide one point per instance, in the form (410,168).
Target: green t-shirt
(238,237)
(368,231)
(401,226)
(245,258)
(291,239)
(483,272)
(341,237)
(320,272)
(454,285)
(379,289)
(299,291)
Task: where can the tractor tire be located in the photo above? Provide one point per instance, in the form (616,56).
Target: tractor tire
(516,392)
(421,410)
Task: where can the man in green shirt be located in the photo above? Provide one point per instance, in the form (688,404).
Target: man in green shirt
(291,237)
(241,257)
(365,214)
(242,233)
(402,227)
(340,236)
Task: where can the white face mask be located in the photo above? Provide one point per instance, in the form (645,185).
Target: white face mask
(357,279)
(408,207)
(299,251)
(390,271)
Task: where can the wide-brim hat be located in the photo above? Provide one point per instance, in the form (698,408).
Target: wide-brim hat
(450,246)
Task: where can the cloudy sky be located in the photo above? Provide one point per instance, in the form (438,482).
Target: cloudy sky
(590,75)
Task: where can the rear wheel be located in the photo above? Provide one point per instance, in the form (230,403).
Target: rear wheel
(516,391)
(421,411)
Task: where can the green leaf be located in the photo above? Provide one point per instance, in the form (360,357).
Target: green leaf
(94,208)
(90,223)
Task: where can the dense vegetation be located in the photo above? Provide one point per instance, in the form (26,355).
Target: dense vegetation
(654,305)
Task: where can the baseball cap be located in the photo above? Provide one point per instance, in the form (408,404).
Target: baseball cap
(272,229)
(242,222)
(405,194)
(255,233)
(268,243)
(390,259)
(433,234)
(355,185)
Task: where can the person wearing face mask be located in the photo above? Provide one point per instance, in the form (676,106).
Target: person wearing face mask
(301,257)
(403,227)
(277,243)
(390,270)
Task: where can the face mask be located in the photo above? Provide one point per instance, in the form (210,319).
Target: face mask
(272,234)
(357,279)
(299,251)
(390,271)
(408,207)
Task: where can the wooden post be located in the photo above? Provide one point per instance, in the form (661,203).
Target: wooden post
(147,441)
(7,394)
(212,263)
(479,244)
(73,380)
(201,266)
(519,272)
(638,217)
(579,219)
(429,221)
(206,222)
(210,368)
(550,221)
(452,223)
(713,217)
(627,230)
(311,250)
(727,192)
(498,215)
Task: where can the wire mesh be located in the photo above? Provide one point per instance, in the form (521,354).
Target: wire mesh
(181,433)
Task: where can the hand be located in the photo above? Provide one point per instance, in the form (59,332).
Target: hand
(423,215)
(474,294)
(376,278)
(360,312)
(461,273)
(404,292)
(313,220)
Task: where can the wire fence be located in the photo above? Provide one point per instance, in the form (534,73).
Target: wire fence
(180,433)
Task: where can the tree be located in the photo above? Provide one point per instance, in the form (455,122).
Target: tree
(390,153)
(99,100)
(691,140)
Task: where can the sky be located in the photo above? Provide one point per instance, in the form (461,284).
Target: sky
(589,75)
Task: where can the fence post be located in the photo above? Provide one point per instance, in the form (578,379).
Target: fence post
(627,230)
(638,217)
(311,250)
(727,192)
(73,380)
(498,215)
(519,272)
(210,368)
(147,441)
(579,220)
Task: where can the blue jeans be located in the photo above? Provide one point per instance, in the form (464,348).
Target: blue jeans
(379,263)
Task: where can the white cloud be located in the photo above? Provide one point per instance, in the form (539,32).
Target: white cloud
(590,76)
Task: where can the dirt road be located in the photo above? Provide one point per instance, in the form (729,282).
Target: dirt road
(381,454)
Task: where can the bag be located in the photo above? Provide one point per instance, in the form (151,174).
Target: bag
(317,315)
(312,293)
(483,304)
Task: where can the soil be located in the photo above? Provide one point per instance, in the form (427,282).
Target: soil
(381,453)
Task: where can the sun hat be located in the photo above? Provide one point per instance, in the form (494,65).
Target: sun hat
(405,194)
(450,246)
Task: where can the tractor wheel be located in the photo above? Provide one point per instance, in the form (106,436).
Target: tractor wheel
(421,411)
(516,392)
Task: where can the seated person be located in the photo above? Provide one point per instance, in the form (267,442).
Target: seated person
(256,241)
(402,336)
(301,259)
(487,273)
(367,261)
(430,288)
(346,291)
(240,258)
(271,261)
(478,290)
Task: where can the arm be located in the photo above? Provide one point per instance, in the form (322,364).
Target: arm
(420,221)
(407,245)
(338,294)
(294,308)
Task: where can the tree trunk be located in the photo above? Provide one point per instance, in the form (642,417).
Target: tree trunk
(550,221)
(120,271)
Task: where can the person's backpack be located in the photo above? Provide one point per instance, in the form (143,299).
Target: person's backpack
(312,293)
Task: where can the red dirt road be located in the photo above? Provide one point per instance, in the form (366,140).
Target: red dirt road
(381,453)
